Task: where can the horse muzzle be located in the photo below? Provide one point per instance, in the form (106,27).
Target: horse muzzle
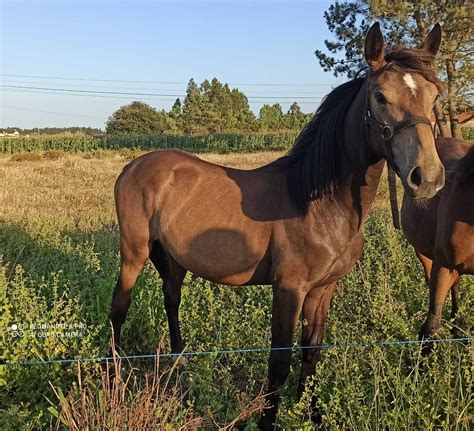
(423,185)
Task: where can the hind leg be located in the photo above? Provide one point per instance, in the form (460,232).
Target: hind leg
(173,275)
(132,260)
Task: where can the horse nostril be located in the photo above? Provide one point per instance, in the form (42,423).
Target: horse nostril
(415,176)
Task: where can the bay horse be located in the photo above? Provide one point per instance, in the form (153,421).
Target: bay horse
(294,223)
(441,230)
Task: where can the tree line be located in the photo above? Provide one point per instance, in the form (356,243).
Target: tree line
(208,108)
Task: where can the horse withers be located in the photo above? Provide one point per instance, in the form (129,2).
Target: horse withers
(294,223)
(441,230)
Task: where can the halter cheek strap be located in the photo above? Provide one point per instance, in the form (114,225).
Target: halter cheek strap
(386,133)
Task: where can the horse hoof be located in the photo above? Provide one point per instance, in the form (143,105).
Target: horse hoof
(240,425)
(317,418)
(182,362)
(265,424)
(456,332)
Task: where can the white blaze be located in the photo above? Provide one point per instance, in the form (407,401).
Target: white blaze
(410,82)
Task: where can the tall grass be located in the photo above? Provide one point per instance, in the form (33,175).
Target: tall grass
(122,398)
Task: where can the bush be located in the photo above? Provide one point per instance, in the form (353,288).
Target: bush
(467,133)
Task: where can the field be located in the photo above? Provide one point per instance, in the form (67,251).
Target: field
(58,265)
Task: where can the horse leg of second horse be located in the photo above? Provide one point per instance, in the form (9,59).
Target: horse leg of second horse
(441,281)
(285,312)
(456,329)
(427,265)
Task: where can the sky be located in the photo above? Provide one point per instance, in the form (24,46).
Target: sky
(266,49)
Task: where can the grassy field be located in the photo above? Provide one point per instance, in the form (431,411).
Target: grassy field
(58,266)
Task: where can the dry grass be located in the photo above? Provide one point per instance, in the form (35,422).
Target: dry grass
(126,400)
(76,191)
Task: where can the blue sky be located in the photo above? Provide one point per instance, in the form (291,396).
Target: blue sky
(240,43)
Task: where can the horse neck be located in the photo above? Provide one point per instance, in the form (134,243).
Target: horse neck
(364,166)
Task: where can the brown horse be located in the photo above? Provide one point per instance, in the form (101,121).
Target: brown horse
(441,230)
(295,223)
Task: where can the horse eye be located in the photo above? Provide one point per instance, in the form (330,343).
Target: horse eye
(380,98)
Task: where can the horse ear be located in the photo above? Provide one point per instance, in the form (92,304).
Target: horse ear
(433,40)
(374,47)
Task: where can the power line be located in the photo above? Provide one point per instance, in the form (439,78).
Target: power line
(85,95)
(50,112)
(315,100)
(8,81)
(157,82)
(72,90)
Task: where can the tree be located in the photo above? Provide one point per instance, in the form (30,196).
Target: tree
(194,115)
(176,116)
(137,118)
(176,109)
(213,107)
(294,119)
(407,22)
(271,117)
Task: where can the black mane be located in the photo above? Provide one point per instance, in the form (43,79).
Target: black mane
(314,163)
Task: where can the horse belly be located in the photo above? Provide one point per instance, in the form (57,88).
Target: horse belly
(200,223)
(221,255)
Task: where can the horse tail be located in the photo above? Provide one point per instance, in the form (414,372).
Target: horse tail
(465,171)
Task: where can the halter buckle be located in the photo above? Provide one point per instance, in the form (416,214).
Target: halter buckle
(386,132)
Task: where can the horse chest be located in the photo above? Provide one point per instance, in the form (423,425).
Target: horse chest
(315,258)
(340,263)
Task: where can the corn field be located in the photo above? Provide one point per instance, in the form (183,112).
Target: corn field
(223,143)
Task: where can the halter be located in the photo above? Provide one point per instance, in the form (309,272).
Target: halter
(386,133)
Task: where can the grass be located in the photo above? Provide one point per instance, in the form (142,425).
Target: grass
(126,399)
(59,264)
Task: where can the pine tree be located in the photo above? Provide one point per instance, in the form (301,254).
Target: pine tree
(407,23)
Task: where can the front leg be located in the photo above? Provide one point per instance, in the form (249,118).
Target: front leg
(286,309)
(315,311)
(441,281)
